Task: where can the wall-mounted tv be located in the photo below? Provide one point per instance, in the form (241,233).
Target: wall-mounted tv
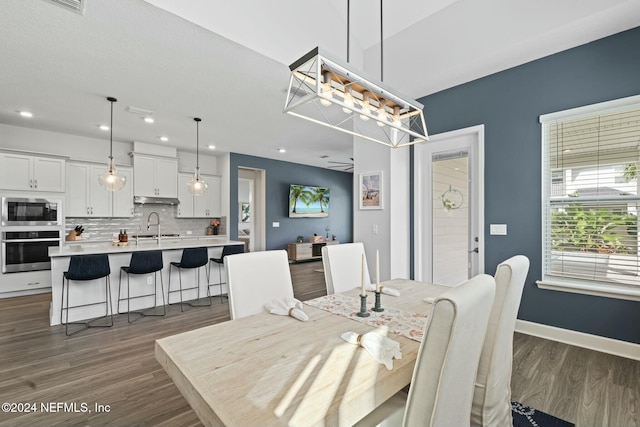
(306,201)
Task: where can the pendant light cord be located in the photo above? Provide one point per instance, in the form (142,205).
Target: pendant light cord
(381,47)
(111,100)
(197,120)
(348,25)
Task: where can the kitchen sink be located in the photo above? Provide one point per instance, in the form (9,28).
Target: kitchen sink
(154,236)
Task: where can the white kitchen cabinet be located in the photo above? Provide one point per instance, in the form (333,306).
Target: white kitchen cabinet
(122,200)
(155,176)
(24,282)
(85,197)
(31,173)
(206,205)
(185,207)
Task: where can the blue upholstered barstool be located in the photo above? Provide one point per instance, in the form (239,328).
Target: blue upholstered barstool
(226,250)
(85,268)
(146,262)
(192,258)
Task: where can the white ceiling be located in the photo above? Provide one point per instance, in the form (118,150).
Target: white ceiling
(230,68)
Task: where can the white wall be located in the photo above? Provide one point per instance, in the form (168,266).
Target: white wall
(392,238)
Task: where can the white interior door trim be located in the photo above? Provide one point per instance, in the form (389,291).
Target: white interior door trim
(423,199)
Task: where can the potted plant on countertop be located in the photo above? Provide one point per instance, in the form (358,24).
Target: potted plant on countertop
(213,227)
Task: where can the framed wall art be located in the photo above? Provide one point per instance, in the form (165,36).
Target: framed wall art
(371,190)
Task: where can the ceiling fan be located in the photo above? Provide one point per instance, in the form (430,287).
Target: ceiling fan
(343,166)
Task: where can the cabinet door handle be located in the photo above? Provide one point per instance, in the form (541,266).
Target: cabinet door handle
(91,210)
(36,183)
(88,211)
(33,283)
(30,183)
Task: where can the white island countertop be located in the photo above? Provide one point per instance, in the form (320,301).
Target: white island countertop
(166,243)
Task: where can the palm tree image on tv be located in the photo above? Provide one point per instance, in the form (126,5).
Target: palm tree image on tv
(308,201)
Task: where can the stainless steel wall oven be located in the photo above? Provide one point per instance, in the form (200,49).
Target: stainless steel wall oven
(25,250)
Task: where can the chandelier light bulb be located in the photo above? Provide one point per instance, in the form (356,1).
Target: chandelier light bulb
(382,114)
(396,116)
(348,100)
(366,107)
(326,89)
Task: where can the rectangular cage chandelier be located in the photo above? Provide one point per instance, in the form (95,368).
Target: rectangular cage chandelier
(326,92)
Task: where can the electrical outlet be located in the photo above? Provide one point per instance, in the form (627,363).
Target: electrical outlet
(374,229)
(149,280)
(276,224)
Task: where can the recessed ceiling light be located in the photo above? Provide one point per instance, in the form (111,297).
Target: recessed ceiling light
(27,114)
(148,119)
(212,147)
(104,127)
(281,150)
(164,138)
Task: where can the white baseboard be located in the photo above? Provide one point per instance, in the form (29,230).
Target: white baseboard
(580,339)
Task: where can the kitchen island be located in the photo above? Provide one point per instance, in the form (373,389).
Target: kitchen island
(119,256)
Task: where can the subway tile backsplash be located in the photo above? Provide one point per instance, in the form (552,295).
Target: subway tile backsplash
(105,228)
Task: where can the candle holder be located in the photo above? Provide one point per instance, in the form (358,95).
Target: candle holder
(363,307)
(377,307)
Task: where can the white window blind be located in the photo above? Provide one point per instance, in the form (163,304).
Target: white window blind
(590,195)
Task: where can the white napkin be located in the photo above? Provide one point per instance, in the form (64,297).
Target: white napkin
(385,290)
(286,307)
(381,348)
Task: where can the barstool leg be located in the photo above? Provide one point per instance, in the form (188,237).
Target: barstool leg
(180,276)
(128,298)
(62,301)
(108,299)
(220,278)
(164,304)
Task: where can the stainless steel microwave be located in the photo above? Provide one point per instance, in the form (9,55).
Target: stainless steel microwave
(17,211)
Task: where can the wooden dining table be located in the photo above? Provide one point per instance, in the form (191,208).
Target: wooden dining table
(271,370)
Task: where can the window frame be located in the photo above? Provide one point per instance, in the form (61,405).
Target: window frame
(588,287)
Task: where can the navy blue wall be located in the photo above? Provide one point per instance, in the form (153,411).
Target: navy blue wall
(279,176)
(509,104)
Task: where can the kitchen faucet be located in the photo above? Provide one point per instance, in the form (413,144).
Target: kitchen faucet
(157,224)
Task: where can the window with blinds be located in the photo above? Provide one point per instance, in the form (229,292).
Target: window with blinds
(590,194)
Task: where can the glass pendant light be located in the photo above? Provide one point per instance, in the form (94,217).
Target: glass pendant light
(110,179)
(197,186)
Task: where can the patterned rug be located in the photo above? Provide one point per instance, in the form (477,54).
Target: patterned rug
(523,416)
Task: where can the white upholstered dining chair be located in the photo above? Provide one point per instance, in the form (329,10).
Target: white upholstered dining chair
(444,374)
(343,267)
(255,278)
(492,396)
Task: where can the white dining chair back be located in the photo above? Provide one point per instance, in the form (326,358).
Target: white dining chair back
(255,278)
(343,267)
(492,396)
(444,374)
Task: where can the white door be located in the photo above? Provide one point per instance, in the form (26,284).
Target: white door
(449,206)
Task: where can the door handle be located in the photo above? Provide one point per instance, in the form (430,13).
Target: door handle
(474,250)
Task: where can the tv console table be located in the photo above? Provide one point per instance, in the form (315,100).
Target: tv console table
(306,251)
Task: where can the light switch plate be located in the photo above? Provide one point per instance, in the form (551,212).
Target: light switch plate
(276,224)
(498,229)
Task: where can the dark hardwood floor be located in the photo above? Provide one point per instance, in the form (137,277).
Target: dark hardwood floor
(116,367)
